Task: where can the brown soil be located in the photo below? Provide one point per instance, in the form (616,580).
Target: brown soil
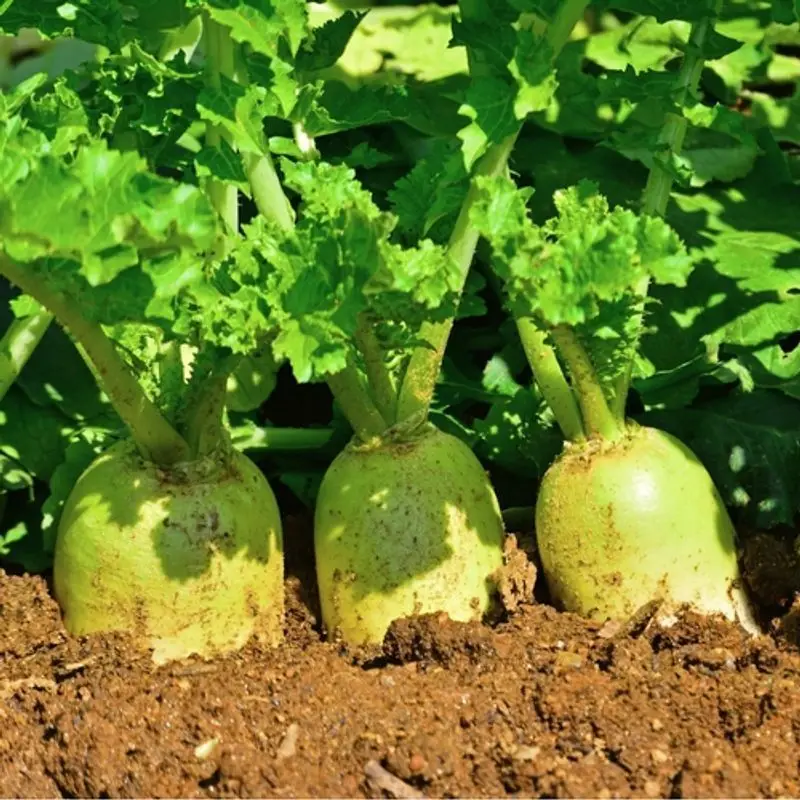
(541,704)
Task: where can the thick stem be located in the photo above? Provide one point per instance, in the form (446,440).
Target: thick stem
(357,405)
(655,198)
(268,194)
(220,53)
(598,419)
(419,382)
(18,344)
(286,439)
(550,379)
(422,373)
(156,439)
(379,379)
(203,423)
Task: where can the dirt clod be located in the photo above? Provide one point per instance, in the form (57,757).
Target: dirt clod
(516,579)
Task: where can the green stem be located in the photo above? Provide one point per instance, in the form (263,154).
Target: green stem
(156,439)
(286,439)
(419,381)
(268,194)
(379,379)
(220,51)
(658,188)
(598,419)
(357,405)
(203,423)
(659,182)
(550,379)
(422,373)
(18,344)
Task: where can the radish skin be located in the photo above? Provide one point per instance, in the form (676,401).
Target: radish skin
(619,524)
(187,559)
(402,529)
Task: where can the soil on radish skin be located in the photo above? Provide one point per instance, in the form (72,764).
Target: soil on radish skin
(540,704)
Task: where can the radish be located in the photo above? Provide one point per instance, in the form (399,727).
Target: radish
(405,528)
(626,515)
(407,522)
(171,535)
(187,558)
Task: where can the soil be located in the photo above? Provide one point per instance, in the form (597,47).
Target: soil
(538,703)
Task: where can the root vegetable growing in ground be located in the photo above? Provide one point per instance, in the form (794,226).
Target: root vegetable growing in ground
(172,535)
(626,515)
(406,520)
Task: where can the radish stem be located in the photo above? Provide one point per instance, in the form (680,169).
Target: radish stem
(157,440)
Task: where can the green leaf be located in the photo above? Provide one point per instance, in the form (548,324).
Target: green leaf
(786,12)
(412,41)
(308,290)
(563,272)
(490,107)
(32,440)
(93,207)
(750,443)
(56,375)
(112,23)
(364,156)
(782,115)
(428,199)
(338,108)
(12,536)
(742,296)
(583,269)
(238,110)
(719,145)
(518,435)
(512,77)
(86,222)
(267,26)
(222,163)
(326,44)
(498,377)
(252,382)
(667,10)
(774,368)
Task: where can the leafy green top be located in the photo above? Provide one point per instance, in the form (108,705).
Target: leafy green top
(312,288)
(585,269)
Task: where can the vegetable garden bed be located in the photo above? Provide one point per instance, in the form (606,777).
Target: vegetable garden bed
(400,400)
(541,704)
